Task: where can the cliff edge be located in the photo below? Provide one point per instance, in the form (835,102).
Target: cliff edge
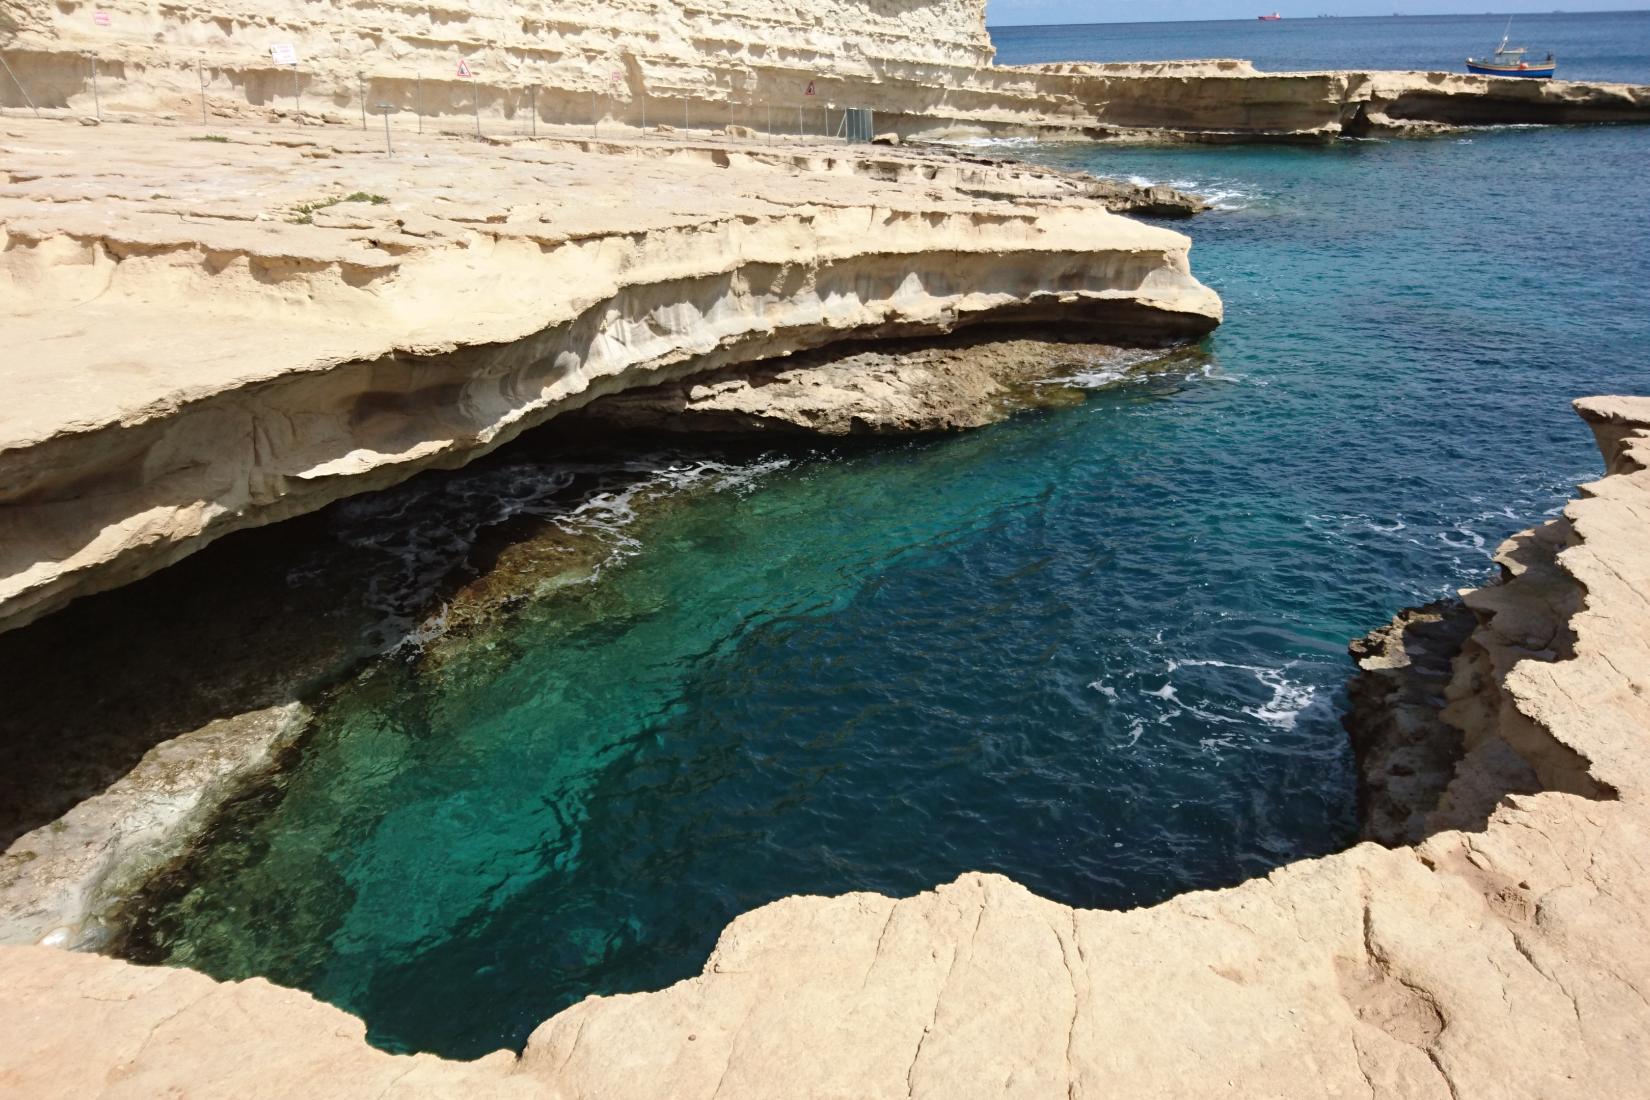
(354,318)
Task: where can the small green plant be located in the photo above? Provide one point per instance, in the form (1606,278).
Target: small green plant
(304,212)
(219,138)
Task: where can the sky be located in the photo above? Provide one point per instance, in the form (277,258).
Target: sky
(1008,13)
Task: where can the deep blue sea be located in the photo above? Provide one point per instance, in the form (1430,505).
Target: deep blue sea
(1590,46)
(1100,649)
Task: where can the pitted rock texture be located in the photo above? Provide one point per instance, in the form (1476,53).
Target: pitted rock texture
(1510,961)
(207,336)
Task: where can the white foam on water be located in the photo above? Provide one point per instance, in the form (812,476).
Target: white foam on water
(1105,689)
(1086,380)
(1220,195)
(426,529)
(1106,368)
(1472,539)
(983,142)
(1288,700)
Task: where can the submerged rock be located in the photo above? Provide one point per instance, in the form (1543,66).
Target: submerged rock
(935,388)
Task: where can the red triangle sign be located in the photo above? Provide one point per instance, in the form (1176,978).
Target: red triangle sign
(464,69)
(810,90)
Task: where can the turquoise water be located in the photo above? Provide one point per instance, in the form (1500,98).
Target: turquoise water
(1098,649)
(1589,45)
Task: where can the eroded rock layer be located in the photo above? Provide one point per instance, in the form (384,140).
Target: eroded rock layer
(923,67)
(203,343)
(934,386)
(1505,961)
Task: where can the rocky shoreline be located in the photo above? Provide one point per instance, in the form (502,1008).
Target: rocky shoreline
(1506,945)
(427,337)
(355,319)
(161,761)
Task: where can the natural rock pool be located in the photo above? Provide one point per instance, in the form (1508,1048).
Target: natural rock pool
(1098,649)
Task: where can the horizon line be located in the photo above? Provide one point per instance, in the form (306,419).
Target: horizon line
(1327,15)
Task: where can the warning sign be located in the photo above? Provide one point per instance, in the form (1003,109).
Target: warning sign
(101,18)
(283,54)
(810,90)
(464,70)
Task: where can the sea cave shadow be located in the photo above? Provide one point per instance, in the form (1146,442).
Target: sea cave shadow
(261,617)
(272,615)
(1439,743)
(90,689)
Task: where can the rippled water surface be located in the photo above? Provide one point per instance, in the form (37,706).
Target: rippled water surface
(1099,649)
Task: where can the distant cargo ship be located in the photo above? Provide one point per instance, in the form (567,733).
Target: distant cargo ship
(1269,18)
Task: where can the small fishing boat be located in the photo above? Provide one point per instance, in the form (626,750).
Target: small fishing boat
(1273,18)
(1510,61)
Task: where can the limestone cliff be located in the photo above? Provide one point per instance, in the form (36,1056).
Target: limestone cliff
(1506,961)
(353,319)
(923,66)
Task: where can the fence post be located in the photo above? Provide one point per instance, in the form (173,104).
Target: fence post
(533,108)
(418,100)
(475,101)
(200,74)
(593,115)
(97,100)
(361,82)
(297,96)
(20,88)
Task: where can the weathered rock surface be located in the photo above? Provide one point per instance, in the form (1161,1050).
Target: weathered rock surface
(1406,752)
(353,319)
(56,879)
(1230,100)
(924,68)
(1510,961)
(932,388)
